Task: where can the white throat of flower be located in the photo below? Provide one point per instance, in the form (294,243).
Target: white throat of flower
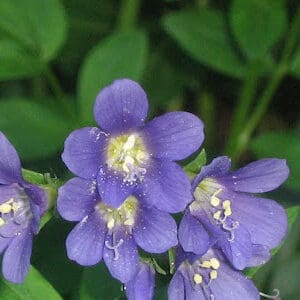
(115,217)
(127,153)
(15,210)
(207,197)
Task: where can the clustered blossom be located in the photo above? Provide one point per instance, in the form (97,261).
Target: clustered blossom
(21,206)
(128,182)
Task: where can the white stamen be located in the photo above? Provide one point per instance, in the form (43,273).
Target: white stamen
(114,247)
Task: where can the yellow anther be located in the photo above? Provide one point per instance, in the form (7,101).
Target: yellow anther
(5,208)
(111,223)
(198,278)
(2,222)
(214,201)
(227,211)
(213,274)
(215,263)
(217,215)
(226,204)
(206,264)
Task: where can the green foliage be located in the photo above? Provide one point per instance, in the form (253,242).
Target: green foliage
(34,129)
(257,25)
(203,35)
(295,64)
(31,33)
(121,55)
(282,145)
(33,288)
(97,281)
(195,165)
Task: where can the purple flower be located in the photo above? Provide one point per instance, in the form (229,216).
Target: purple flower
(21,206)
(225,214)
(112,233)
(127,156)
(209,278)
(142,285)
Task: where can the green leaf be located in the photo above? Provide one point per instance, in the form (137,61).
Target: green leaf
(31,33)
(34,287)
(283,145)
(295,64)
(292,214)
(195,165)
(15,61)
(120,55)
(35,130)
(203,36)
(97,282)
(257,25)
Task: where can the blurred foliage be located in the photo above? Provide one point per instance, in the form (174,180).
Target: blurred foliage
(234,63)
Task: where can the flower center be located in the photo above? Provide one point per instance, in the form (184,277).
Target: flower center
(207,197)
(127,153)
(14,213)
(124,215)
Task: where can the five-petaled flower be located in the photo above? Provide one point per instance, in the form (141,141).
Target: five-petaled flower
(21,206)
(127,156)
(225,214)
(208,277)
(112,233)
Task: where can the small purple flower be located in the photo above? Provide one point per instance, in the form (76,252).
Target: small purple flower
(127,156)
(209,278)
(21,206)
(112,233)
(225,214)
(142,285)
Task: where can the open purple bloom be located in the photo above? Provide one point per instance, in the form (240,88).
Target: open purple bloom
(128,156)
(209,277)
(113,234)
(224,213)
(142,285)
(21,206)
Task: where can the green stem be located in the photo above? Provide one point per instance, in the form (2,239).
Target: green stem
(243,106)
(54,83)
(128,14)
(244,136)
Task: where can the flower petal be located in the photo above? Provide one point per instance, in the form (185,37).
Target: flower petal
(265,219)
(174,135)
(85,242)
(142,285)
(121,106)
(219,167)
(260,255)
(192,235)
(258,177)
(38,196)
(84,151)
(112,188)
(10,165)
(77,198)
(239,250)
(16,259)
(4,242)
(166,187)
(155,231)
(176,288)
(233,285)
(123,262)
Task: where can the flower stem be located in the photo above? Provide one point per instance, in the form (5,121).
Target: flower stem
(241,134)
(128,14)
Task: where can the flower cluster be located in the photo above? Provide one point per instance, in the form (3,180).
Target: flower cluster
(128,183)
(21,206)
